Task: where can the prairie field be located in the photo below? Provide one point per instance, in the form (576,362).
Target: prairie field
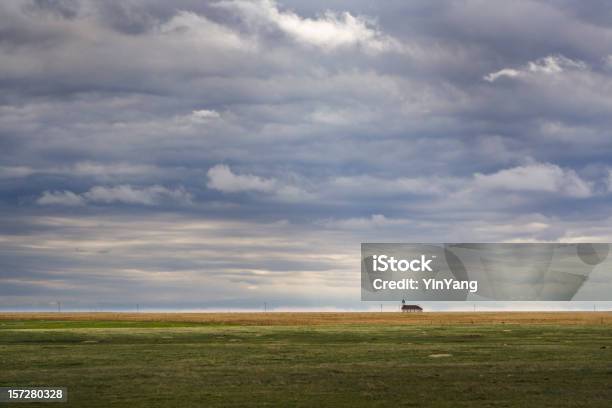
(327,318)
(306,359)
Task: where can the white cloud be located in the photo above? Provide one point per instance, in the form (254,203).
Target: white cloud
(204,115)
(506,72)
(60,198)
(221,177)
(552,64)
(329,31)
(539,177)
(125,193)
(15,171)
(534,177)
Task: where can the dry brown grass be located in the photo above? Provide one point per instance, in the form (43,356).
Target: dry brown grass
(288,319)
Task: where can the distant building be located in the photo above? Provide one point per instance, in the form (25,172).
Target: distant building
(411,308)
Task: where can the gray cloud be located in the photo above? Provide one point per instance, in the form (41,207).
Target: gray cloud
(302,126)
(536,177)
(123,193)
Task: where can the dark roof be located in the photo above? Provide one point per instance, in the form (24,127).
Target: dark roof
(412,307)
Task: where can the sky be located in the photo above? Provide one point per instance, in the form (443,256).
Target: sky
(217,155)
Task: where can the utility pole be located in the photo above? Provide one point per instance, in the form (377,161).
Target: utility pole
(59,306)
(381,308)
(137,308)
(265,307)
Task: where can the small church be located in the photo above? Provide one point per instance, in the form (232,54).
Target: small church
(410,308)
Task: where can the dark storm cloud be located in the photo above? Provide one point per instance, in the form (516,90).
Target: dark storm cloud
(216,128)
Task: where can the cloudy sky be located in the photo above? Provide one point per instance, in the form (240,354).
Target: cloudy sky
(222,154)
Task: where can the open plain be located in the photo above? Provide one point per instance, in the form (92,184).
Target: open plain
(306,359)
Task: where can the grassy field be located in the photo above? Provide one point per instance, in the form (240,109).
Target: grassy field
(308,359)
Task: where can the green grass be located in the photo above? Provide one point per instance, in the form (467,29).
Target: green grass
(174,364)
